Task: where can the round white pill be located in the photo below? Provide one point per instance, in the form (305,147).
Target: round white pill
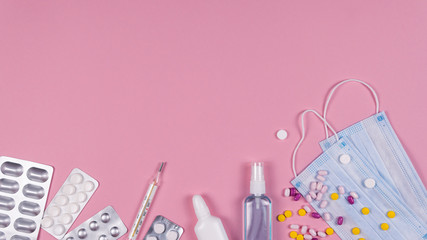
(68,189)
(72,208)
(282,134)
(159,228)
(58,230)
(76,178)
(47,222)
(369,183)
(345,159)
(66,218)
(152,238)
(81,196)
(61,200)
(172,235)
(89,186)
(54,211)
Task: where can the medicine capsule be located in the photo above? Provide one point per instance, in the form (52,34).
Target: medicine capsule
(297,197)
(320,178)
(327,216)
(350,200)
(288,213)
(321,234)
(312,232)
(302,212)
(304,229)
(315,215)
(340,220)
(355,231)
(319,186)
(312,194)
(293,234)
(314,239)
(287,192)
(292,191)
(323,204)
(322,172)
(313,186)
(354,195)
(308,237)
(308,198)
(324,189)
(307,208)
(294,226)
(281,218)
(319,196)
(329,231)
(341,189)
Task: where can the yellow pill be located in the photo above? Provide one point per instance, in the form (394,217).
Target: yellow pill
(385,226)
(335,196)
(288,213)
(355,231)
(365,211)
(281,218)
(361,239)
(329,231)
(300,237)
(293,234)
(391,214)
(302,212)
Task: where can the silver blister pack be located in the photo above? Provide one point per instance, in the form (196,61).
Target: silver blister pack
(164,229)
(68,202)
(106,224)
(24,187)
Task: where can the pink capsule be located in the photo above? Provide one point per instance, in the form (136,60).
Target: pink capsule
(327,216)
(350,199)
(321,178)
(354,195)
(340,220)
(315,215)
(324,189)
(312,194)
(323,204)
(322,172)
(313,186)
(293,191)
(297,197)
(319,186)
(308,198)
(341,190)
(319,196)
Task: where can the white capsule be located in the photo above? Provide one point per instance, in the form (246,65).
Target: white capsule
(294,226)
(313,186)
(309,237)
(323,204)
(319,186)
(312,194)
(308,198)
(327,216)
(341,189)
(324,189)
(312,232)
(321,234)
(320,178)
(354,195)
(307,208)
(287,192)
(319,196)
(322,172)
(304,229)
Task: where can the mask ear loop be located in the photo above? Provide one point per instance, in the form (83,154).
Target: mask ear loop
(303,135)
(377,103)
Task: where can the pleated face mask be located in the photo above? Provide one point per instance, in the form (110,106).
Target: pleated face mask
(377,141)
(347,191)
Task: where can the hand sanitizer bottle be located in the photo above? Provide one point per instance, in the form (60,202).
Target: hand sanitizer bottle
(257,208)
(208,227)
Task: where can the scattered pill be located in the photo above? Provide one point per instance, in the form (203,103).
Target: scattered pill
(293,234)
(314,239)
(294,226)
(313,186)
(297,197)
(319,196)
(287,192)
(282,134)
(320,178)
(288,213)
(327,216)
(329,231)
(281,218)
(391,214)
(369,183)
(365,211)
(355,231)
(312,194)
(322,172)
(312,232)
(300,237)
(345,159)
(307,208)
(323,204)
(321,234)
(340,220)
(324,189)
(335,196)
(384,226)
(354,195)
(304,229)
(292,191)
(308,237)
(319,186)
(315,215)
(350,200)
(302,212)
(341,189)
(361,239)
(308,198)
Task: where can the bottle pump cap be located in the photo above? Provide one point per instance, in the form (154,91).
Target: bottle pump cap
(257,179)
(200,207)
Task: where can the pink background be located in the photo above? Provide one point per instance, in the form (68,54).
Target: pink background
(115,87)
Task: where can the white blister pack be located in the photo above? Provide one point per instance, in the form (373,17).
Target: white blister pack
(24,187)
(68,202)
(164,229)
(106,224)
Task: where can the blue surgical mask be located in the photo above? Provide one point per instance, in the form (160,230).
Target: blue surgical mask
(377,141)
(378,198)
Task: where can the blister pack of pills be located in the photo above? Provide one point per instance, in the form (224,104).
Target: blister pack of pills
(24,187)
(68,202)
(164,229)
(106,224)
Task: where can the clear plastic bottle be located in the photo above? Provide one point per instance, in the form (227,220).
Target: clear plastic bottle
(257,208)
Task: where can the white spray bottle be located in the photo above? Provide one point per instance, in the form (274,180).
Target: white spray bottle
(208,227)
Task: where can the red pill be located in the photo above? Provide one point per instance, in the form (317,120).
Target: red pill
(350,199)
(297,197)
(340,220)
(315,215)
